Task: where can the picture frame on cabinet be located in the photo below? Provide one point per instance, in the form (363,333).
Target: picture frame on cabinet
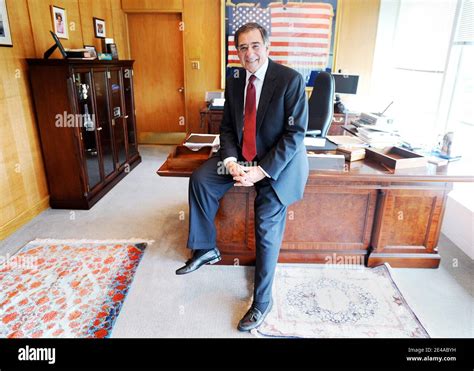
(59,19)
(5,32)
(112,49)
(91,49)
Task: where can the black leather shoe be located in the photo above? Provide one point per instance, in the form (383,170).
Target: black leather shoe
(254,318)
(211,257)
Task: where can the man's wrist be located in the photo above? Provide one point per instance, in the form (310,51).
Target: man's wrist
(229,159)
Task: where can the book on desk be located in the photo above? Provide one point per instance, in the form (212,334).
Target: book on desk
(319,144)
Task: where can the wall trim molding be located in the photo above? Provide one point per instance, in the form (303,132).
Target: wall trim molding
(20,220)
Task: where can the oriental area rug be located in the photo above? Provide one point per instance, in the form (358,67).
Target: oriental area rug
(66,288)
(331,301)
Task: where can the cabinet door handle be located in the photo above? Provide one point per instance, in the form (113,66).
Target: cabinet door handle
(99,129)
(125,117)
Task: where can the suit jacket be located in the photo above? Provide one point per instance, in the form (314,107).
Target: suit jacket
(282,120)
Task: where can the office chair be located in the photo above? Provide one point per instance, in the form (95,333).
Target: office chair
(321,105)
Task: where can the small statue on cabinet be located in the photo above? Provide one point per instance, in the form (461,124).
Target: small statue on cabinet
(83,91)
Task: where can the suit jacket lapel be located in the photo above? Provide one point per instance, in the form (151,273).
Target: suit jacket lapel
(239,88)
(266,95)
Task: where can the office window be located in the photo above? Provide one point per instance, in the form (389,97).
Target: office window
(420,50)
(413,53)
(456,111)
(423,61)
(460,82)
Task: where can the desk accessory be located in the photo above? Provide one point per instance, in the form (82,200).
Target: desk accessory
(396,157)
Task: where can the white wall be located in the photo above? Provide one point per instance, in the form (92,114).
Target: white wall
(458,222)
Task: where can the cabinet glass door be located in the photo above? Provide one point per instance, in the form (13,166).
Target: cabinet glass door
(83,84)
(117,115)
(130,114)
(103,121)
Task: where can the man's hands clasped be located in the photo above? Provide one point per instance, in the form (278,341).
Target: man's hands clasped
(244,176)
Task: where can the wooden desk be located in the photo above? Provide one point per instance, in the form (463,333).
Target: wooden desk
(365,214)
(211,120)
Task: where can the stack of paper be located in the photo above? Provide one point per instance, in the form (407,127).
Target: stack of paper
(314,141)
(378,138)
(198,141)
(347,141)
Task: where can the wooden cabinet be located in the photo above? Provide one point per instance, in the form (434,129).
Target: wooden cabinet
(407,226)
(211,120)
(86,120)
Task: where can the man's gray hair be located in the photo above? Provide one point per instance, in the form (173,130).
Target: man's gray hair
(249,27)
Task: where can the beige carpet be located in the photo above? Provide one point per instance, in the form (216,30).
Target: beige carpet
(333,301)
(210,302)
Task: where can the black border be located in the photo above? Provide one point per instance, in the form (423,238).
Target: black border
(246,354)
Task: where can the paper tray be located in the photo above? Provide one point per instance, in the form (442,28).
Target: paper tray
(185,158)
(396,157)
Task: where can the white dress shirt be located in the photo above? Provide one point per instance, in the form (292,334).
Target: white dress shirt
(258,83)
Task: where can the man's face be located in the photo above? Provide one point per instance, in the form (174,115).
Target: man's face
(252,51)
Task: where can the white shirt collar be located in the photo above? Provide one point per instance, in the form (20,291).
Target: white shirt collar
(260,73)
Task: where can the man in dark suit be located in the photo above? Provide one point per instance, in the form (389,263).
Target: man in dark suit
(261,136)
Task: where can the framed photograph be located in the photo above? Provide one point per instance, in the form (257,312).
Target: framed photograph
(99,28)
(59,19)
(5,33)
(302,33)
(91,49)
(112,49)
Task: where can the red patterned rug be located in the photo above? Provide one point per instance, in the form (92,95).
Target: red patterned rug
(67,289)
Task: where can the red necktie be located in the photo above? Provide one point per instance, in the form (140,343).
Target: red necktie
(249,147)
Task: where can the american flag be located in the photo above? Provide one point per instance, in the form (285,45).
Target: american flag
(300,33)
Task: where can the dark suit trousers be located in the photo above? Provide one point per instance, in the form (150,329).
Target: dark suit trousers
(207,186)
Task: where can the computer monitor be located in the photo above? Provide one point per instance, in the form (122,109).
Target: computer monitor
(346,84)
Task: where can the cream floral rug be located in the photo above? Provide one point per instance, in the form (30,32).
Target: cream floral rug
(330,301)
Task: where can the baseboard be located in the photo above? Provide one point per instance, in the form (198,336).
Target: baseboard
(20,220)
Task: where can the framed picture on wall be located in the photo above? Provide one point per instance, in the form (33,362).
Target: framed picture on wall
(99,28)
(302,33)
(5,33)
(59,19)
